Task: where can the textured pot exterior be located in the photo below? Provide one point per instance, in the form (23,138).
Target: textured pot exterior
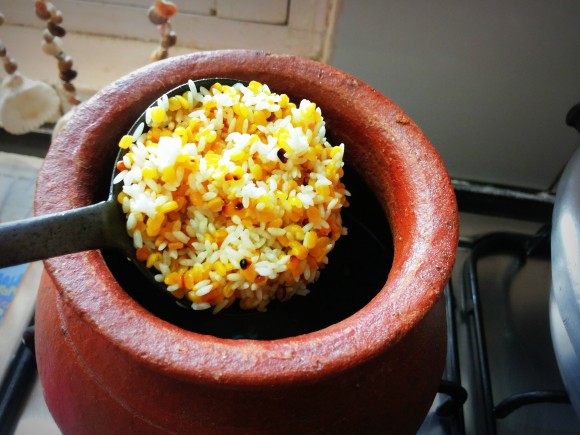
(109,366)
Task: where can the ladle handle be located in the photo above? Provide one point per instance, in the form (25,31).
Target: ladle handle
(57,234)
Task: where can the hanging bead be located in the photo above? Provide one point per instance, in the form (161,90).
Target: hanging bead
(154,16)
(56,16)
(10,65)
(47,36)
(52,10)
(68,76)
(55,29)
(165,9)
(69,87)
(159,14)
(169,40)
(41,10)
(51,45)
(159,53)
(73,100)
(51,48)
(65,63)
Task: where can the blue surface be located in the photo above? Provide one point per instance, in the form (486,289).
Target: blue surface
(10,279)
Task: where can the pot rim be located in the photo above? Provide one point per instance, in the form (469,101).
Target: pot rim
(396,159)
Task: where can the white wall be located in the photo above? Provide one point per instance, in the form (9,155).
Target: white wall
(489,82)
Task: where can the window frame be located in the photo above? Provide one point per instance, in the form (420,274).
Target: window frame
(307,31)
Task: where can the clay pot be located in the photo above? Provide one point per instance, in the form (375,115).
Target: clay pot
(109,365)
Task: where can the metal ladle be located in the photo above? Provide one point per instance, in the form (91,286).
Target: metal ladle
(97,226)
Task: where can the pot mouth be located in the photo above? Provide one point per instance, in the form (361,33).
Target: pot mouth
(357,269)
(387,149)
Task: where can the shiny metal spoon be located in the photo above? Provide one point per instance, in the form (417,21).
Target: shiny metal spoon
(98,226)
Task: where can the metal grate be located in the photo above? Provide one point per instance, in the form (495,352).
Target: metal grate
(521,247)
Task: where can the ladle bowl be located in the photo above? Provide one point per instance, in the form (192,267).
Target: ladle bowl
(109,363)
(96,226)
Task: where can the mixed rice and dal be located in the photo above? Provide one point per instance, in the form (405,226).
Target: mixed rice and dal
(232,193)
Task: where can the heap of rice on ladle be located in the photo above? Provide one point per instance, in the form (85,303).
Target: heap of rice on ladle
(232,193)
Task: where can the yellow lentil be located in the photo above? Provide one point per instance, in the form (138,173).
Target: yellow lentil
(157,115)
(125,142)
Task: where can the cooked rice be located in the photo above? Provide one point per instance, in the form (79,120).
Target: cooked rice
(232,193)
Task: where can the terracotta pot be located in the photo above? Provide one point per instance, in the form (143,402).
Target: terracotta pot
(108,365)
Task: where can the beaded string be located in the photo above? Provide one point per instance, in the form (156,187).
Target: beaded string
(10,65)
(51,45)
(159,14)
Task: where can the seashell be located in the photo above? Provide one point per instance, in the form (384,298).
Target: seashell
(26,104)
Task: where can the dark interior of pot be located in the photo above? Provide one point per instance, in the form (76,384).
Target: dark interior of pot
(357,270)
